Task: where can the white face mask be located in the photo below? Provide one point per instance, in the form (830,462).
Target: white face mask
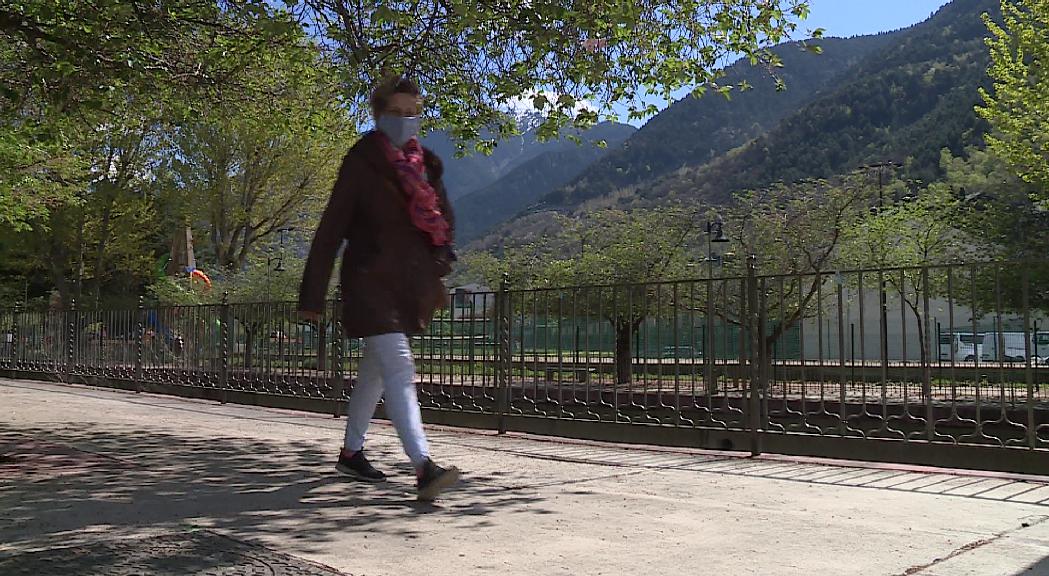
(399,129)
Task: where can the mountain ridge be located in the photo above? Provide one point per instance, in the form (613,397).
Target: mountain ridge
(525,184)
(661,146)
(903,104)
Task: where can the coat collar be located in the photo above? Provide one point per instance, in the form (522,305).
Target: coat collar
(371,147)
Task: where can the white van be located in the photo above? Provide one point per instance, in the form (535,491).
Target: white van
(966,347)
(1040,348)
(1014,349)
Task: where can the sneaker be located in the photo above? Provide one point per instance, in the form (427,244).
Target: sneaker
(358,467)
(433,480)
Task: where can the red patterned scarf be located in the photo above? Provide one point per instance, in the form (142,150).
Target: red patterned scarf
(423,205)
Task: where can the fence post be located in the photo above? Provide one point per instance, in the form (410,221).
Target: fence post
(103,321)
(843,411)
(502,365)
(1032,427)
(764,357)
(883,337)
(710,347)
(930,416)
(338,387)
(224,343)
(16,364)
(71,342)
(140,343)
(753,321)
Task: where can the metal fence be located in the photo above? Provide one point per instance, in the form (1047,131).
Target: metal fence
(909,364)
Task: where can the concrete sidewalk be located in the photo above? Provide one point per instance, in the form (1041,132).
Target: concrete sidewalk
(106,482)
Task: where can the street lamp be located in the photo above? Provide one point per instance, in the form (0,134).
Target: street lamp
(880,166)
(883,302)
(280,255)
(715,235)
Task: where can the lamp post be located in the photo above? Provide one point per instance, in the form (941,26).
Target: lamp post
(280,254)
(883,303)
(279,259)
(715,235)
(880,166)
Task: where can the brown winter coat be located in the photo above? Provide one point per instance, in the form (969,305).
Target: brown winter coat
(391,272)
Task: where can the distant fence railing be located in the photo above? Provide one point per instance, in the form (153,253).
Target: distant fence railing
(939,357)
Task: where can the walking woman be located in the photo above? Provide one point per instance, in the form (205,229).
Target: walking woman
(390,205)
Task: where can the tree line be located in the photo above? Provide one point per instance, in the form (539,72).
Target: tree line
(125,122)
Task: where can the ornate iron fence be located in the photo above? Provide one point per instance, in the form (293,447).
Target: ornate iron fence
(911,363)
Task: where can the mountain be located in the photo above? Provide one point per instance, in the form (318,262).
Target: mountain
(556,164)
(904,103)
(901,96)
(472,172)
(694,131)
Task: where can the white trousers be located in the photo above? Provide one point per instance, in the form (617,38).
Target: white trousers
(387,371)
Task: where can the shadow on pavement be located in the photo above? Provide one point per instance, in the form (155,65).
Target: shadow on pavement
(953,483)
(84,476)
(1040,568)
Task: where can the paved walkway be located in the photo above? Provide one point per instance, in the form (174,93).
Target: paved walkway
(106,482)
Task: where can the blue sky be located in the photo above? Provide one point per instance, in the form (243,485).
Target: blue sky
(855,17)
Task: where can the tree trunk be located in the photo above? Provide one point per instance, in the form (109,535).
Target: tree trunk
(322,347)
(100,252)
(58,272)
(249,344)
(246,243)
(79,286)
(624,358)
(790,320)
(923,345)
